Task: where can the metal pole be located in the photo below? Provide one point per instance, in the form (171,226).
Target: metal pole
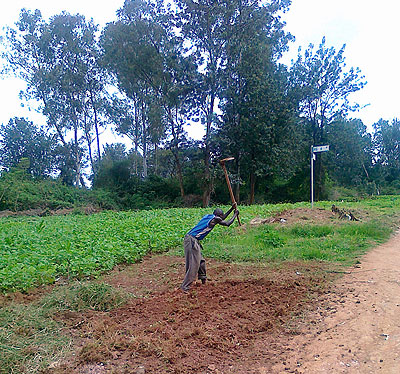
(312,177)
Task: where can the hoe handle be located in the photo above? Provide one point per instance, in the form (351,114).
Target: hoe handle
(228,182)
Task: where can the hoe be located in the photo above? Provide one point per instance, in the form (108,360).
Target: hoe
(228,182)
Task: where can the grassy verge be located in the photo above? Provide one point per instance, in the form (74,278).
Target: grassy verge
(272,243)
(31,337)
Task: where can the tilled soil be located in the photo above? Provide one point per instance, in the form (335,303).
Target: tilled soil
(239,322)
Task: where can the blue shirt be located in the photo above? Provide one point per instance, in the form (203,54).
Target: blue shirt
(201,230)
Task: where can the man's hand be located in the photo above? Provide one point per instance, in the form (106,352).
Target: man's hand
(234,206)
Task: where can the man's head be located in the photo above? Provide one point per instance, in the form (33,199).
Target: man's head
(218,212)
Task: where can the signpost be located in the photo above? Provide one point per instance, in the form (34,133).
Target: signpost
(314,150)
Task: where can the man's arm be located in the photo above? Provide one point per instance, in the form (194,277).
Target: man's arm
(234,206)
(220,221)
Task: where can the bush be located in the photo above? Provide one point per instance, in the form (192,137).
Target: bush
(20,191)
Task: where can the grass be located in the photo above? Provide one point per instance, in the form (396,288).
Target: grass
(31,337)
(271,243)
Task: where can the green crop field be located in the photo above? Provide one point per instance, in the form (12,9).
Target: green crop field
(36,251)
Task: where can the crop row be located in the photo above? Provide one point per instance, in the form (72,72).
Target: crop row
(35,251)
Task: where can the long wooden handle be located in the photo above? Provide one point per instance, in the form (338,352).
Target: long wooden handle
(228,182)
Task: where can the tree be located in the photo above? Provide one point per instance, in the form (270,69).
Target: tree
(257,110)
(324,85)
(22,139)
(130,52)
(349,160)
(144,56)
(217,34)
(386,139)
(58,61)
(203,25)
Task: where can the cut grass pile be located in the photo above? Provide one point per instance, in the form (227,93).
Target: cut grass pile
(31,337)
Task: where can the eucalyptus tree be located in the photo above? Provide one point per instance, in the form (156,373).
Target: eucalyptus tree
(257,112)
(130,52)
(203,25)
(220,36)
(324,85)
(58,61)
(144,55)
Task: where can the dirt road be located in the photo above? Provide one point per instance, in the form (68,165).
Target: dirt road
(358,324)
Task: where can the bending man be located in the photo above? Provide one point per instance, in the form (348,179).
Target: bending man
(194,260)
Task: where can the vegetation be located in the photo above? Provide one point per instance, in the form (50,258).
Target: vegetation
(215,65)
(299,242)
(31,335)
(38,250)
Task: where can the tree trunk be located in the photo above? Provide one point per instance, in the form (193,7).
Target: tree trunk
(96,125)
(252,187)
(207,173)
(144,159)
(156,159)
(179,172)
(77,156)
(89,142)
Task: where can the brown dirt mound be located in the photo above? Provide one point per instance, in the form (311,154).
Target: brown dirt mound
(236,323)
(299,215)
(42,212)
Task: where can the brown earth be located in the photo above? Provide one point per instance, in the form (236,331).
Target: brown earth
(239,322)
(41,212)
(357,325)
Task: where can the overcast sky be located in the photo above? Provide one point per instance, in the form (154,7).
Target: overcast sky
(370,30)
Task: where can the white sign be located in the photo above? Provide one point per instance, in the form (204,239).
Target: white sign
(320,148)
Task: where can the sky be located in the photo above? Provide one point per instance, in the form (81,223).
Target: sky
(368,28)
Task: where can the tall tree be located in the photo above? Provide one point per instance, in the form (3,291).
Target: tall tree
(203,25)
(324,85)
(211,28)
(349,160)
(58,62)
(386,139)
(144,56)
(130,46)
(257,110)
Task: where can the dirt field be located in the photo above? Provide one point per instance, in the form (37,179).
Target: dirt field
(239,322)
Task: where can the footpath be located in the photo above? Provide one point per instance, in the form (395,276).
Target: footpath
(357,326)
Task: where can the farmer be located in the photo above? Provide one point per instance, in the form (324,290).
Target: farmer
(195,263)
